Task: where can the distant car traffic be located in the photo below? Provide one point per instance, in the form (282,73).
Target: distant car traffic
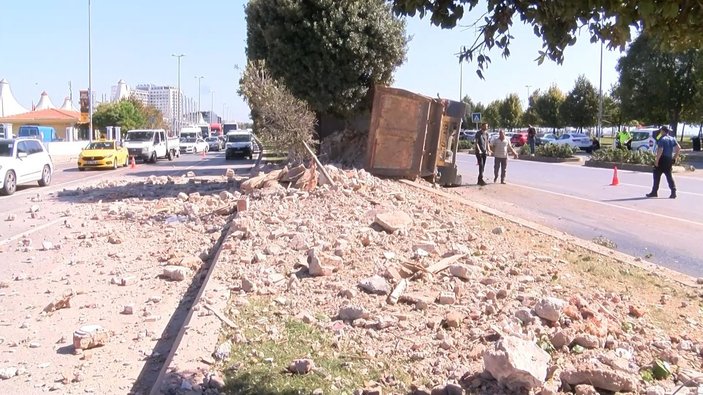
(575,140)
(23,161)
(239,142)
(190,145)
(469,135)
(214,143)
(102,155)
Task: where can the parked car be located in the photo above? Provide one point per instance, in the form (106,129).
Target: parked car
(42,133)
(519,139)
(546,138)
(575,140)
(103,154)
(644,140)
(190,145)
(23,161)
(214,143)
(469,135)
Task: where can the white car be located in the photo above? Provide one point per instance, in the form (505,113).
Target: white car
(574,140)
(643,140)
(194,145)
(23,161)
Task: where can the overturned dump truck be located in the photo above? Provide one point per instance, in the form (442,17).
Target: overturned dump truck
(412,136)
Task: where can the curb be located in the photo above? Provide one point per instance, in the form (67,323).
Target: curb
(548,159)
(629,166)
(651,268)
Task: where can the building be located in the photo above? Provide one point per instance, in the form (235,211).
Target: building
(163,97)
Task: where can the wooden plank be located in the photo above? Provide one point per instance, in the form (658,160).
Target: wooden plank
(444,263)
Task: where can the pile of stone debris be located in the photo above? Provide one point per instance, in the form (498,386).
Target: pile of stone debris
(466,299)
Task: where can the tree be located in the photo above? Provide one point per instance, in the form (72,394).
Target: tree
(280,119)
(580,108)
(153,118)
(510,111)
(467,122)
(658,86)
(530,116)
(491,115)
(123,113)
(676,24)
(547,107)
(329,53)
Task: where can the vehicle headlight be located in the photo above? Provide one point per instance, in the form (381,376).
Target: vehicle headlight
(146,149)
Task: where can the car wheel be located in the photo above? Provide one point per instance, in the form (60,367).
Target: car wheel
(114,164)
(45,176)
(169,155)
(153,157)
(10,185)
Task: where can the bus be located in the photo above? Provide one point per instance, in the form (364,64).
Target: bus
(229,127)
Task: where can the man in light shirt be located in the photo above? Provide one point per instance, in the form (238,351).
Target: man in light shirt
(501,146)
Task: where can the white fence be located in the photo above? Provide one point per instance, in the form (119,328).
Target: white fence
(65,148)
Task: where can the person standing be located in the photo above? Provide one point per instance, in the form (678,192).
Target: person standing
(482,151)
(531,139)
(501,146)
(667,151)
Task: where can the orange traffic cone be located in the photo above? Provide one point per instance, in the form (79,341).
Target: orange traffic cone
(615,177)
(132,164)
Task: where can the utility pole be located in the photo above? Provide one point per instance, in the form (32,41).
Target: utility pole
(90,77)
(528,95)
(177,117)
(212,105)
(199,79)
(599,128)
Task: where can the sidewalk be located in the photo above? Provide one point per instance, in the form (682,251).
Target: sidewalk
(64,159)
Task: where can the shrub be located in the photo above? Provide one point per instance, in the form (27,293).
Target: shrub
(639,157)
(555,151)
(465,145)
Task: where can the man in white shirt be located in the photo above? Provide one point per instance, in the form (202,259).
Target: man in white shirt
(501,146)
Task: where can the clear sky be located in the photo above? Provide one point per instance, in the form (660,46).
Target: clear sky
(44,45)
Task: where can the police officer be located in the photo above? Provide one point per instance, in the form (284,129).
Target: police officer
(667,151)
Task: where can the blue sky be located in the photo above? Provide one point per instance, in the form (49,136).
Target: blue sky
(45,45)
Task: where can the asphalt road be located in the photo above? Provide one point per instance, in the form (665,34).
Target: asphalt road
(67,176)
(580,201)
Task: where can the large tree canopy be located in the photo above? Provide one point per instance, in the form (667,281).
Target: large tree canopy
(657,86)
(547,107)
(328,52)
(580,108)
(678,24)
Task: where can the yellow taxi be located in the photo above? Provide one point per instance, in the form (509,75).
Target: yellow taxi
(105,154)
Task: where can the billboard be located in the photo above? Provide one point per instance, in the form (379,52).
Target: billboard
(85,106)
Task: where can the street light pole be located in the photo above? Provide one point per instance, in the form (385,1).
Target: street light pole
(199,78)
(212,105)
(90,76)
(599,129)
(528,95)
(177,117)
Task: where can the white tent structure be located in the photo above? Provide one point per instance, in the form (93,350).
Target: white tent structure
(8,103)
(121,91)
(68,105)
(44,102)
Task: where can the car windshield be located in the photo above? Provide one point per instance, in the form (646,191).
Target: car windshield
(212,139)
(188,139)
(6,148)
(139,136)
(101,145)
(640,136)
(238,138)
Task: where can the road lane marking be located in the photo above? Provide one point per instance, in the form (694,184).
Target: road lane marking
(678,191)
(613,205)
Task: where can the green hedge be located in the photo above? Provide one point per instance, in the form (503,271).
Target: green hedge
(638,157)
(465,145)
(550,150)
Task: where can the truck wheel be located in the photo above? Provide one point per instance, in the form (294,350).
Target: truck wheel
(169,155)
(10,185)
(153,157)
(45,176)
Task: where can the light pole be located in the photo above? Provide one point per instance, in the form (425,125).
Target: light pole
(177,117)
(199,79)
(212,105)
(90,77)
(599,128)
(528,95)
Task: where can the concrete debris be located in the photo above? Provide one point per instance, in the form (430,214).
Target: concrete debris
(375,285)
(550,308)
(8,373)
(301,366)
(600,376)
(393,221)
(351,313)
(90,336)
(175,273)
(517,364)
(223,351)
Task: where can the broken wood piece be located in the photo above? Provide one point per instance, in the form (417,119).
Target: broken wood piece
(444,263)
(398,291)
(322,168)
(221,316)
